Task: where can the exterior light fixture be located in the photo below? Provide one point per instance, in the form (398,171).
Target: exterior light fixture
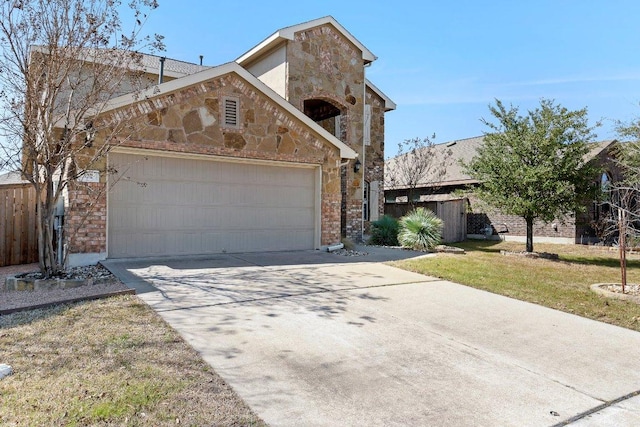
(356,166)
(90,134)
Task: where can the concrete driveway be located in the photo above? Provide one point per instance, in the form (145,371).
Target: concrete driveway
(317,339)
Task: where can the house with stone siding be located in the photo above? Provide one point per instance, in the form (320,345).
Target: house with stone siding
(281,149)
(484,223)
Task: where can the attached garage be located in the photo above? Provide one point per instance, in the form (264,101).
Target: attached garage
(210,163)
(186,205)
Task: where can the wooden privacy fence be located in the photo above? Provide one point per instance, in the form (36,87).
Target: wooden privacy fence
(453,212)
(18,236)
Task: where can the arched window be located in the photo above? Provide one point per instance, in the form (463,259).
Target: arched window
(602,207)
(327,115)
(605,182)
(319,110)
(605,186)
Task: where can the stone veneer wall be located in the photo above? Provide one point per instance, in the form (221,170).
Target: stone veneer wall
(322,64)
(189,121)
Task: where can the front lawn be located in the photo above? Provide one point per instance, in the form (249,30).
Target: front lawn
(108,362)
(562,284)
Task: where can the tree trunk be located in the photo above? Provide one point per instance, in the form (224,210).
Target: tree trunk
(529,234)
(410,200)
(622,245)
(47,253)
(40,231)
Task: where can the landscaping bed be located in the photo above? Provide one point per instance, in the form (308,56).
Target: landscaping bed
(23,289)
(614,290)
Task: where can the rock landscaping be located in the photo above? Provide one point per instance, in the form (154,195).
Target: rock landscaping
(614,290)
(349,252)
(25,291)
(73,278)
(544,255)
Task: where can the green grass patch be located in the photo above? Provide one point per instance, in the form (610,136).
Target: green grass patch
(562,284)
(130,400)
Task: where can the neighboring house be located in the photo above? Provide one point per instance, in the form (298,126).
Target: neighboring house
(437,192)
(280,150)
(9,178)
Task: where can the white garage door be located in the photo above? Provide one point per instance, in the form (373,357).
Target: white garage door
(180,206)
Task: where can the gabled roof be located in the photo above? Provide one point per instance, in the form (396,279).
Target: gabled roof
(599,147)
(172,67)
(288,33)
(462,151)
(231,67)
(388,103)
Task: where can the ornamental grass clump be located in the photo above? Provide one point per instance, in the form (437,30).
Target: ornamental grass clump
(384,231)
(420,229)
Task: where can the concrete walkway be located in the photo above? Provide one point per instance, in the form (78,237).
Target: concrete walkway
(311,338)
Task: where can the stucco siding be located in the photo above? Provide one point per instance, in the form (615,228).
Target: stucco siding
(271,69)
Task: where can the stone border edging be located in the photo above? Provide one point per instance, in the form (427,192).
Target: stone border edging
(31,284)
(444,249)
(534,255)
(69,301)
(596,287)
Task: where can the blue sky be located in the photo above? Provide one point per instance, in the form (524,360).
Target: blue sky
(443,63)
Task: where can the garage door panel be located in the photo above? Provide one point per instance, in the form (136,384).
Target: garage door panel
(187,206)
(249,177)
(151,242)
(188,243)
(300,219)
(146,219)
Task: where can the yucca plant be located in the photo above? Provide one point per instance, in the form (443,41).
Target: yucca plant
(384,231)
(420,229)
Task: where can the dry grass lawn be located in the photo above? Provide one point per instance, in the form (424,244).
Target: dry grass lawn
(563,284)
(108,362)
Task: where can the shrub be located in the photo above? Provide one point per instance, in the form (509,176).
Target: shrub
(384,231)
(420,229)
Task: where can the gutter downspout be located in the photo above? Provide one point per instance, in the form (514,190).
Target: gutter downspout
(364,149)
(161,75)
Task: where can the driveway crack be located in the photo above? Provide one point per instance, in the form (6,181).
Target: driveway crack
(605,405)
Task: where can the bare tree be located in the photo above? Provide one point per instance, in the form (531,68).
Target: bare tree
(622,220)
(61,61)
(623,196)
(419,163)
